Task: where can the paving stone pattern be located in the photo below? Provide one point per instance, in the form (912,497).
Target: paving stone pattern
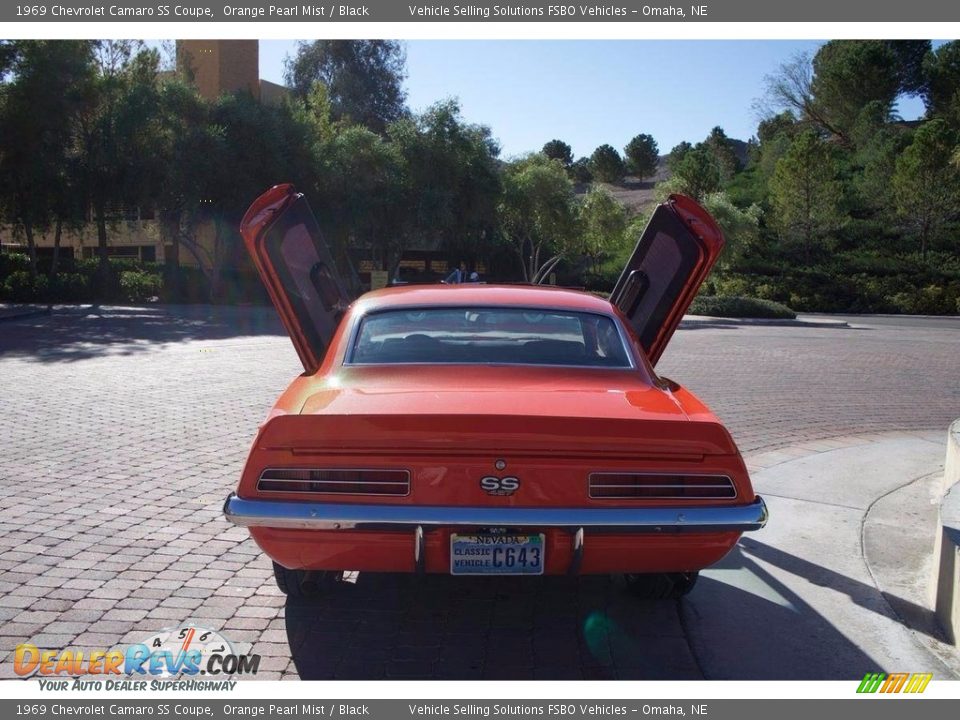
(124,428)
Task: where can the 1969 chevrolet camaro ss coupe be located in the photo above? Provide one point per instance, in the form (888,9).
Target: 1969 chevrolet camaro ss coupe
(482,429)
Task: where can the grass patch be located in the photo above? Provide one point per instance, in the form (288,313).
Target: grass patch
(740,307)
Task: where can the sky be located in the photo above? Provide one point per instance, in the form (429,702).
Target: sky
(588,93)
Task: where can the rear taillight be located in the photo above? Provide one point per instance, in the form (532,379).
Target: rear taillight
(660,486)
(335,481)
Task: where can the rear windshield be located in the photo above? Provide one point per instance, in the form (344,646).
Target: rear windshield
(489,335)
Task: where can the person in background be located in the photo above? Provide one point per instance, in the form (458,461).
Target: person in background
(459,275)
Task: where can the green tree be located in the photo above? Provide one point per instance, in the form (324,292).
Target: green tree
(452,178)
(188,137)
(805,192)
(696,174)
(677,153)
(607,165)
(942,93)
(364,78)
(724,153)
(559,150)
(775,134)
(789,89)
(537,214)
(769,128)
(926,184)
(253,146)
(851,74)
(7,54)
(39,107)
(603,224)
(878,159)
(832,89)
(910,57)
(580,171)
(118,133)
(364,195)
(216,156)
(741,227)
(643,156)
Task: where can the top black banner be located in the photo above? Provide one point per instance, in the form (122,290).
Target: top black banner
(482,11)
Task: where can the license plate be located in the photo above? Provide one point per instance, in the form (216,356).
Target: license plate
(496,554)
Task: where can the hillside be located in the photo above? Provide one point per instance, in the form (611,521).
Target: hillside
(637,195)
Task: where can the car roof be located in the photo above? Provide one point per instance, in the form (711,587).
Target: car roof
(480,294)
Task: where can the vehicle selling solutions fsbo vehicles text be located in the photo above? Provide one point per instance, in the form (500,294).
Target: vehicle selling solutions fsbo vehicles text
(459,11)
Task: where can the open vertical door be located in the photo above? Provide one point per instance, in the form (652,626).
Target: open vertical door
(295,265)
(674,255)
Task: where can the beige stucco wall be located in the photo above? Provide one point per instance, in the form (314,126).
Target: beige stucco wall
(220,66)
(123,233)
(271,93)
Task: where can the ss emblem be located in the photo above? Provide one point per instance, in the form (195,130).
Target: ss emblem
(494,485)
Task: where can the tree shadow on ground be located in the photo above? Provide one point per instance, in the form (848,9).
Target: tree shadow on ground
(74,333)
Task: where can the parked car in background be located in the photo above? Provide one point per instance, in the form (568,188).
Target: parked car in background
(478,429)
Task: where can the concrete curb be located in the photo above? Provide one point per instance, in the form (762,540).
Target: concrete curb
(830,561)
(697,320)
(948,575)
(22,313)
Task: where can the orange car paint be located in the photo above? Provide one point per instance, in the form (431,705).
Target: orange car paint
(552,425)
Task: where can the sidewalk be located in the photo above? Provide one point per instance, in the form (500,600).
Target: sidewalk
(838,583)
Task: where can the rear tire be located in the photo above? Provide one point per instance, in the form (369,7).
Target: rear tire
(300,583)
(660,586)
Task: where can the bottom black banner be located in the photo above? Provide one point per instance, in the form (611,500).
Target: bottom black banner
(874,707)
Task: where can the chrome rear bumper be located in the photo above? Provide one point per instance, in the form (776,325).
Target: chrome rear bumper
(340,516)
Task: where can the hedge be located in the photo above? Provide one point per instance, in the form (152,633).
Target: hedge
(139,286)
(740,307)
(129,280)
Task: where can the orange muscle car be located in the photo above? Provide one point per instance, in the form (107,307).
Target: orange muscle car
(483,429)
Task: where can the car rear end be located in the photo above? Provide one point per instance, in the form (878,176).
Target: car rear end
(463,491)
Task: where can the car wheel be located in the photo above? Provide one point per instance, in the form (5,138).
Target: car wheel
(660,586)
(301,583)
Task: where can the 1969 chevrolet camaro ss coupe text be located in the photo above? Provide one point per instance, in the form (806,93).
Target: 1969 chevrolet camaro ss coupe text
(482,429)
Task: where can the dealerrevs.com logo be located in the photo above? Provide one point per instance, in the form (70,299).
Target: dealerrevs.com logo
(184,651)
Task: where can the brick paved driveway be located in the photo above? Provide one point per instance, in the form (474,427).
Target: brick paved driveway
(123,429)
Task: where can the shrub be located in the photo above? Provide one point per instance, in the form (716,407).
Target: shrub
(123,264)
(20,287)
(13,262)
(929,300)
(70,287)
(740,307)
(732,285)
(138,286)
(603,279)
(87,266)
(184,285)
